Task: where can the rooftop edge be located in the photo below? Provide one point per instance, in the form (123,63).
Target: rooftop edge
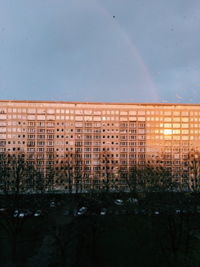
(99,103)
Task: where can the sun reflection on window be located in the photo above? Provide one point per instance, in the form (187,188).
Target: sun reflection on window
(167,131)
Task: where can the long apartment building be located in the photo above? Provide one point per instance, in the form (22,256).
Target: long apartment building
(100,138)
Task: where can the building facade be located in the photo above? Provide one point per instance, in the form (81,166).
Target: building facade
(101,139)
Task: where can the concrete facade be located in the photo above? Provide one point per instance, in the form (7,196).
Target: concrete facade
(101,138)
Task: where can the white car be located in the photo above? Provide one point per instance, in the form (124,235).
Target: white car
(37,213)
(103,211)
(82,211)
(119,202)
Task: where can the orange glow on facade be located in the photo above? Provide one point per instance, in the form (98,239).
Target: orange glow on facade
(100,137)
(167,131)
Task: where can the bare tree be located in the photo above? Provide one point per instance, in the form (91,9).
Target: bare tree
(49,179)
(4,174)
(108,174)
(194,171)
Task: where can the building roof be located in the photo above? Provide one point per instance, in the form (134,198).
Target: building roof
(99,103)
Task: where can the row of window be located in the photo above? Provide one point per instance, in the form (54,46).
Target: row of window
(114,111)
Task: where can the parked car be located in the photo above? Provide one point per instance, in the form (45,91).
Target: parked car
(103,211)
(178,211)
(21,213)
(2,209)
(16,213)
(52,204)
(82,211)
(119,202)
(66,212)
(37,213)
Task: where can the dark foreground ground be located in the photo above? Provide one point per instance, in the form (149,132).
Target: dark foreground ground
(112,230)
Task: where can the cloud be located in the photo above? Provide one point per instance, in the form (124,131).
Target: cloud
(178,96)
(74,50)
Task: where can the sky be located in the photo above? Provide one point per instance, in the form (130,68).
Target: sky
(100,50)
